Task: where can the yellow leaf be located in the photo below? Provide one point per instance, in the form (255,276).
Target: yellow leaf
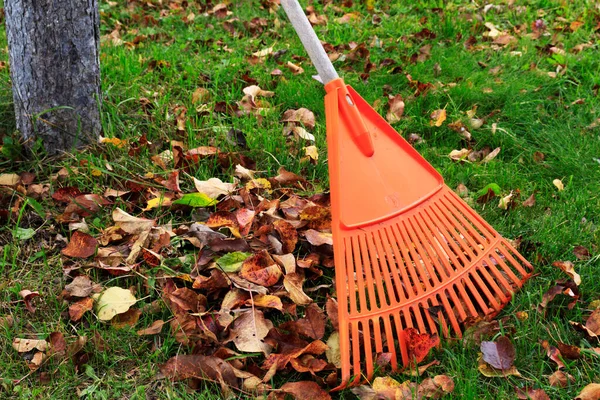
(96,172)
(559,185)
(200,95)
(113,301)
(114,141)
(437,118)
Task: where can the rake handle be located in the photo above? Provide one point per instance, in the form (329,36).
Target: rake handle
(309,40)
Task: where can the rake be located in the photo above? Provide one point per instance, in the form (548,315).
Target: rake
(408,252)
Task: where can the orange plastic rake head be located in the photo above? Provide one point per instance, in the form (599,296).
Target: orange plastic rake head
(409,253)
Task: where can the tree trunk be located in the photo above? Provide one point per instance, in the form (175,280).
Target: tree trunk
(55,70)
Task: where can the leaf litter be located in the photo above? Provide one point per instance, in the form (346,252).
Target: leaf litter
(258,247)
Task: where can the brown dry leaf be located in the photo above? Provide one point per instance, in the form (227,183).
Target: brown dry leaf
(313,323)
(530,202)
(249,331)
(553,353)
(436,387)
(28,296)
(26,345)
(127,319)
(396,108)
(131,224)
(293,284)
(81,245)
(214,187)
(419,344)
(261,269)
(560,379)
(459,155)
(532,394)
(81,286)
(568,268)
(296,69)
(568,351)
(301,115)
(198,366)
(590,392)
(287,234)
(265,301)
(10,180)
(200,95)
(305,390)
(77,309)
(331,306)
(568,288)
(582,253)
(491,155)
(499,354)
(437,117)
(317,238)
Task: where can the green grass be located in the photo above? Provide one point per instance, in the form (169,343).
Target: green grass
(533,113)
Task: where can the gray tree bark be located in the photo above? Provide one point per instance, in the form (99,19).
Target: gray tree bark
(55,70)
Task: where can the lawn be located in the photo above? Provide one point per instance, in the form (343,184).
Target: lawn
(518,80)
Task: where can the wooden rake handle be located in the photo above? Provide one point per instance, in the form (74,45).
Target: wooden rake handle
(309,40)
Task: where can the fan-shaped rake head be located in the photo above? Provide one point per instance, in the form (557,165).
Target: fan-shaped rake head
(431,268)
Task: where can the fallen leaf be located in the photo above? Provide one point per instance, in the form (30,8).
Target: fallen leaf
(396,108)
(154,328)
(553,353)
(419,344)
(459,155)
(249,331)
(568,351)
(127,319)
(437,117)
(296,69)
(81,245)
(293,284)
(312,325)
(77,309)
(532,394)
(491,155)
(560,379)
(10,180)
(261,269)
(26,345)
(213,187)
(499,354)
(317,238)
(530,202)
(112,301)
(334,356)
(200,95)
(28,296)
(559,185)
(188,199)
(568,268)
(301,115)
(81,286)
(568,288)
(198,366)
(487,370)
(590,392)
(582,253)
(131,224)
(436,387)
(305,390)
(266,301)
